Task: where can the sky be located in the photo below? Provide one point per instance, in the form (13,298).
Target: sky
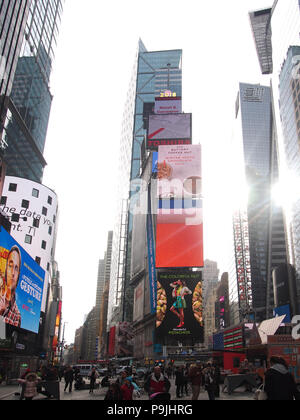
(91,74)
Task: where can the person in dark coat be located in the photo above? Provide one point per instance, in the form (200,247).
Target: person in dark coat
(179,381)
(114,393)
(280,384)
(69,378)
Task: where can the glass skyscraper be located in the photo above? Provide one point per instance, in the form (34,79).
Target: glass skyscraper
(30,100)
(259,236)
(13,17)
(289,91)
(154,72)
(282,28)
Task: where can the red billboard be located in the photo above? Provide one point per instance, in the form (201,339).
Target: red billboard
(179,237)
(112,342)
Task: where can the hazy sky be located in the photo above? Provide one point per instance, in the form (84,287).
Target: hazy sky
(92,70)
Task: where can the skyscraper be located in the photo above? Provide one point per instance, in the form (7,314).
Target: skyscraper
(13,17)
(30,100)
(154,72)
(282,31)
(259,235)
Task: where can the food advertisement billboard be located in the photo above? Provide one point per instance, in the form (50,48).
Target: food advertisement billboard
(21,285)
(169,129)
(179,171)
(179,305)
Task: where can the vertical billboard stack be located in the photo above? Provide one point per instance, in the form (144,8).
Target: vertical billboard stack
(179,223)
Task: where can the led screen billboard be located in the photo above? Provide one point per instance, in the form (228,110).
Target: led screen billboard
(179,234)
(179,171)
(168,105)
(21,285)
(179,305)
(169,129)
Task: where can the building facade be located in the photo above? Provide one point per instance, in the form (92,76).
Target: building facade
(13,18)
(283,30)
(30,99)
(259,234)
(153,72)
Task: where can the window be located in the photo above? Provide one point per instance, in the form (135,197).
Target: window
(38,260)
(35,193)
(12,187)
(49,200)
(50,230)
(44,244)
(48,266)
(28,239)
(15,217)
(44,211)
(36,223)
(3,200)
(25,204)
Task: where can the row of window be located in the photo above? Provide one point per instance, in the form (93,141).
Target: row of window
(35,193)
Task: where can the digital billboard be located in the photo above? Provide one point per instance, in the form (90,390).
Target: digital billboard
(166,105)
(179,234)
(169,129)
(179,305)
(21,285)
(179,171)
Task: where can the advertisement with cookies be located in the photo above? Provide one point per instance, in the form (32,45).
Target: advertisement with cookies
(179,305)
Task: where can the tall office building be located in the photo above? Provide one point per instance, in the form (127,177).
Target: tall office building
(210,277)
(289,91)
(154,72)
(283,28)
(30,99)
(13,17)
(259,235)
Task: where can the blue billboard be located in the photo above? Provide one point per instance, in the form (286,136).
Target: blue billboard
(21,285)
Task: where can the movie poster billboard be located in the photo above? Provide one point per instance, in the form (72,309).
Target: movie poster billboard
(21,285)
(169,129)
(179,305)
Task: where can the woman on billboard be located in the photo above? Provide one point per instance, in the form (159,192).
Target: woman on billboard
(8,305)
(180,290)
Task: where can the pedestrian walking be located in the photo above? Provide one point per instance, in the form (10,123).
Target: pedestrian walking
(210,381)
(184,387)
(195,375)
(114,393)
(127,390)
(280,384)
(93,375)
(30,383)
(217,379)
(179,381)
(157,382)
(69,378)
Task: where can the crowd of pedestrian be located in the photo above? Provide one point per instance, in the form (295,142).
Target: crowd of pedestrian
(190,380)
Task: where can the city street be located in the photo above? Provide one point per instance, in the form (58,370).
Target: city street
(7,393)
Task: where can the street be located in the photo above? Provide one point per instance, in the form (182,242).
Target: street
(7,393)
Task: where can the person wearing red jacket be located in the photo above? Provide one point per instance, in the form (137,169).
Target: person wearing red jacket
(127,390)
(157,382)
